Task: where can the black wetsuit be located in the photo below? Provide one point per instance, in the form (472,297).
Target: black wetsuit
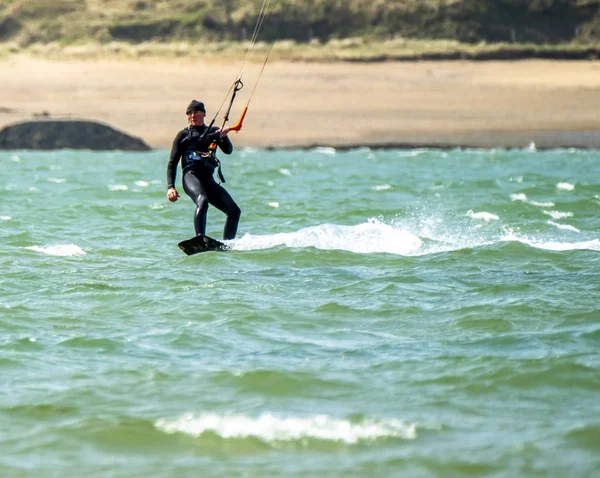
(198,181)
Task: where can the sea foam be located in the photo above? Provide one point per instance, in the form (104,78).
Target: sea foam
(565,227)
(565,187)
(557,246)
(593,245)
(369,237)
(270,428)
(63,250)
(558,214)
(482,216)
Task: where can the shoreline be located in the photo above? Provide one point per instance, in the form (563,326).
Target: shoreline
(582,145)
(437,104)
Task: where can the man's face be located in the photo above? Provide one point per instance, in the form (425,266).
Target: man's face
(196,118)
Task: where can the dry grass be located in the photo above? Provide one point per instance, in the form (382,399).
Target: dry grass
(349,49)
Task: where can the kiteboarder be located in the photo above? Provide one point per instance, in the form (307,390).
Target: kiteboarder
(196,146)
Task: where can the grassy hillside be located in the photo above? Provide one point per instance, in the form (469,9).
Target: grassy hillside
(376,28)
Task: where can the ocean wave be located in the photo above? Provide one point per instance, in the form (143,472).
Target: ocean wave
(564,186)
(483,216)
(270,428)
(542,204)
(280,382)
(556,215)
(409,239)
(557,246)
(556,372)
(62,250)
(587,436)
(324,150)
(372,236)
(565,227)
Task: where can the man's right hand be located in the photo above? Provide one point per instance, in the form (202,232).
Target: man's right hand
(172,194)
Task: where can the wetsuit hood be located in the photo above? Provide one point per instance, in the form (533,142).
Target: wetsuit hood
(195,106)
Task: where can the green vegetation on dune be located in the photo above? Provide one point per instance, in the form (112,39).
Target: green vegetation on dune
(348,29)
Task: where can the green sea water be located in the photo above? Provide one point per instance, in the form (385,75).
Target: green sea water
(414,313)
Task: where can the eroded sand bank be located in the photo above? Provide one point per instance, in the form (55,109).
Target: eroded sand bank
(552,103)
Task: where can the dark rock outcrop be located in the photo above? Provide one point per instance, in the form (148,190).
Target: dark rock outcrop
(67,134)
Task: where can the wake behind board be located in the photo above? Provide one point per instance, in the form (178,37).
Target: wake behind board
(199,244)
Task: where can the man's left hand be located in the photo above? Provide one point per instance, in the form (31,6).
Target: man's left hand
(223,132)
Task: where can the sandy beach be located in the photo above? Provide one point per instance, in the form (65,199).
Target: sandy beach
(488,104)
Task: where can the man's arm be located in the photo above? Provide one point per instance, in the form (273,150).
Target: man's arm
(223,140)
(225,145)
(174,158)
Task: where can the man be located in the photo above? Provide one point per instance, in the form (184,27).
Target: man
(198,163)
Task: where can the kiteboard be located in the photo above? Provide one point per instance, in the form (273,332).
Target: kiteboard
(201,243)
